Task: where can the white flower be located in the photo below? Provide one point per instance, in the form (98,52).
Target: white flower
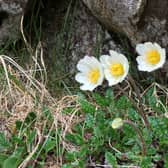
(91,73)
(151,56)
(117,123)
(115,66)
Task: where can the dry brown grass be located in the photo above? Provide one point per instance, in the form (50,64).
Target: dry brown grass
(21,93)
(18,99)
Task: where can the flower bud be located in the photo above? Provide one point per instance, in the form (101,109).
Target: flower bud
(117,123)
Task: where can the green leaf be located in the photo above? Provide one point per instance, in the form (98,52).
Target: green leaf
(86,106)
(47,113)
(66,166)
(133,114)
(31,137)
(4,144)
(31,117)
(18,152)
(102,101)
(166,161)
(11,162)
(90,121)
(70,156)
(97,132)
(110,159)
(79,139)
(2,159)
(75,139)
(19,125)
(17,140)
(123,103)
(146,162)
(109,94)
(50,144)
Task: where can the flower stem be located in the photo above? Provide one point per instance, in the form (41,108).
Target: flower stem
(143,146)
(139,108)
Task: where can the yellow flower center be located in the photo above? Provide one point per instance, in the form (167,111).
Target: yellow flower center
(94,76)
(117,69)
(153,57)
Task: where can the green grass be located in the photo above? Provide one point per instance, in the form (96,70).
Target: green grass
(87,137)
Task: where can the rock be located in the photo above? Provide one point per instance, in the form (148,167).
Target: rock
(88,38)
(64,42)
(82,35)
(10,15)
(118,15)
(139,20)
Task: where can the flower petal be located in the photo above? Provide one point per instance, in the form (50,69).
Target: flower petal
(87,87)
(140,49)
(113,53)
(87,67)
(105,60)
(83,67)
(143,63)
(81,78)
(114,58)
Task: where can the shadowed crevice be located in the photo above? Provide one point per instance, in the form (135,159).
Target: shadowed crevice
(3,15)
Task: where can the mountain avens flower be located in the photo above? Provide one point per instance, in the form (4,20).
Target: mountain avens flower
(90,73)
(151,56)
(115,66)
(117,123)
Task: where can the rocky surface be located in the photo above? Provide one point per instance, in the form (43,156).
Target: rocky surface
(68,36)
(10,15)
(89,37)
(82,35)
(139,20)
(118,15)
(69,32)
